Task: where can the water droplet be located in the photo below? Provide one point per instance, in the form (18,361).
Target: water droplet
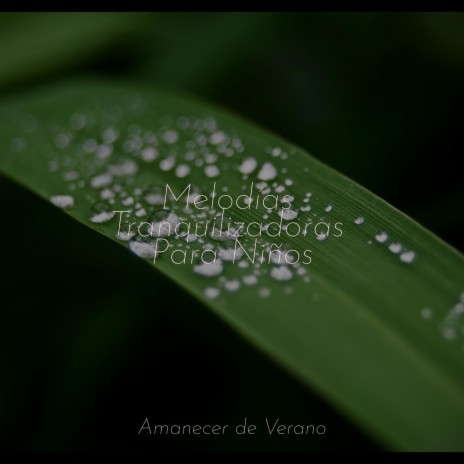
(276,151)
(128,168)
(288,214)
(232,285)
(168,163)
(128,201)
(154,195)
(250,279)
(217,137)
(110,135)
(267,172)
(159,215)
(62,201)
(141,212)
(281,273)
(458,308)
(212,171)
(164,222)
(171,136)
(106,194)
(211,292)
(301,271)
(395,247)
(124,236)
(149,154)
(212,269)
(103,180)
(191,238)
(182,171)
(248,166)
(282,256)
(408,256)
(144,247)
(77,121)
(104,151)
(102,217)
(211,158)
(381,237)
(230,254)
(223,236)
(62,140)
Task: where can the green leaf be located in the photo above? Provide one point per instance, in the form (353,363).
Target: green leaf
(379,333)
(33,44)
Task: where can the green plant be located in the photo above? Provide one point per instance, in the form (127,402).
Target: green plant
(373,323)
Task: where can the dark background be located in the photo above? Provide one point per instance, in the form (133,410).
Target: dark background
(94,342)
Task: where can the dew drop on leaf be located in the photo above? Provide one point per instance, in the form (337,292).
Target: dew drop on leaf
(62,201)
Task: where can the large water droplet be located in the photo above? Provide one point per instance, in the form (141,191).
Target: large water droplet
(212,171)
(282,273)
(381,237)
(212,269)
(102,217)
(149,154)
(395,247)
(218,137)
(182,171)
(408,257)
(164,222)
(167,163)
(144,247)
(267,172)
(248,166)
(154,195)
(62,201)
(103,180)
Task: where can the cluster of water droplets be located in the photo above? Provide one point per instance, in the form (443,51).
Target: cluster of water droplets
(405,255)
(99,151)
(101,155)
(451,326)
